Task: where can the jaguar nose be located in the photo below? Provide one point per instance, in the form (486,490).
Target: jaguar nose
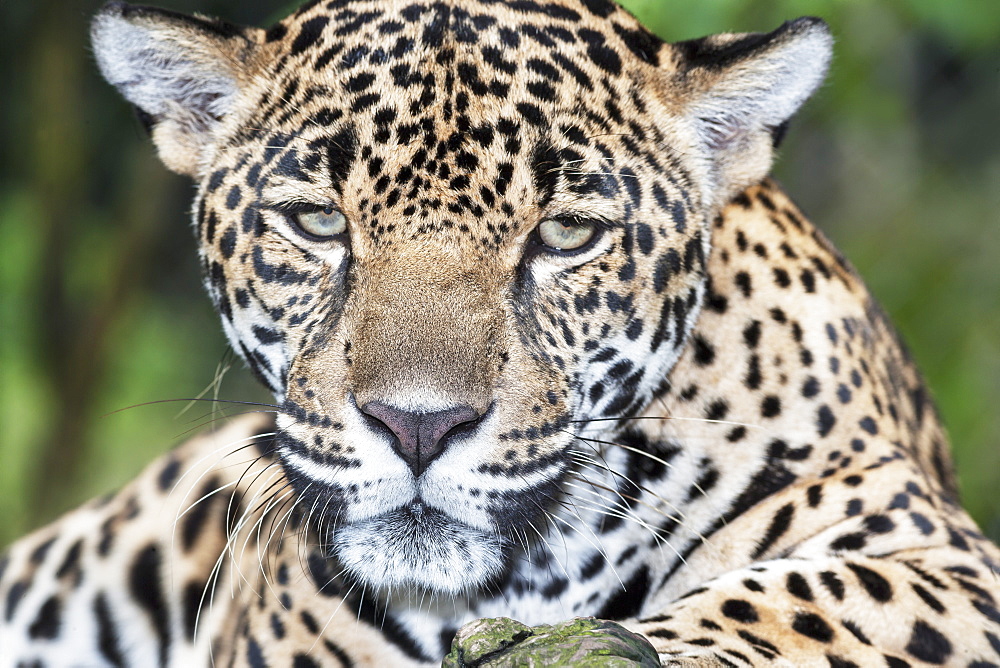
(420,437)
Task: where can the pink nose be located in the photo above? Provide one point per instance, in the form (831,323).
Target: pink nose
(420,437)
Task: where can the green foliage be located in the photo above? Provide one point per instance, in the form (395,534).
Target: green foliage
(897,159)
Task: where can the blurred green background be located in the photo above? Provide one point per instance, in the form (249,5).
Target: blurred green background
(897,158)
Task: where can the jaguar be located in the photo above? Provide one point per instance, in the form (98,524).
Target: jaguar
(546,342)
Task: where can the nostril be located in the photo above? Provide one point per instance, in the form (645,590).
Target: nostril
(401,423)
(421,437)
(435,426)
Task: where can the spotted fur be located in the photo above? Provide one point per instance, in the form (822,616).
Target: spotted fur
(697,422)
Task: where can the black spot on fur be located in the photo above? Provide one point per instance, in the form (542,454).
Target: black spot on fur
(849,541)
(193,523)
(812,626)
(38,555)
(876,585)
(168,474)
(740,610)
(303,661)
(146,588)
(47,623)
(709,55)
(855,631)
(743,283)
(310,33)
(227,243)
(600,53)
(928,598)
(601,8)
(641,42)
(627,601)
(255,657)
(70,565)
(14,596)
(545,170)
(879,524)
(704,352)
(780,523)
(194,598)
(814,495)
(341,151)
(275,32)
(928,644)
(833,584)
(770,407)
(107,635)
(593,566)
(761,646)
(825,420)
(798,586)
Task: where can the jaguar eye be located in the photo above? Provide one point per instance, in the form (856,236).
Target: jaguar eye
(566,234)
(322,223)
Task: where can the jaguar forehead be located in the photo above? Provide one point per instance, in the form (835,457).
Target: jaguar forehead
(465,55)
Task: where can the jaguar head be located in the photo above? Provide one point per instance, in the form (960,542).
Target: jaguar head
(455,239)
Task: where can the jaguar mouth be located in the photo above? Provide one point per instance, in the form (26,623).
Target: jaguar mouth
(417,546)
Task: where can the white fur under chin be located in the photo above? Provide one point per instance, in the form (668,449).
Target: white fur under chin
(418,548)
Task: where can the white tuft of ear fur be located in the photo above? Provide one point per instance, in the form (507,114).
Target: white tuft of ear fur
(180,72)
(743,88)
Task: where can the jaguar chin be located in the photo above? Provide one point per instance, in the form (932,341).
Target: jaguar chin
(417,546)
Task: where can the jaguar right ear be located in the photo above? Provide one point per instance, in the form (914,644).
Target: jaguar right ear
(738,91)
(182,73)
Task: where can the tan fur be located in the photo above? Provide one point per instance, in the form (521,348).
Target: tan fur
(699,423)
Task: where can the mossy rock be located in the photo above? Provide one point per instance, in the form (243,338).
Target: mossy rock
(584,642)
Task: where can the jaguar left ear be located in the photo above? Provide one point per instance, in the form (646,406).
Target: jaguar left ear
(182,73)
(740,90)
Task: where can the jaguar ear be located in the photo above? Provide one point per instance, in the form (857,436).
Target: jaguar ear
(740,90)
(182,73)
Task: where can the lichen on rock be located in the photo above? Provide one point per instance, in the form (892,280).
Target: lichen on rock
(583,642)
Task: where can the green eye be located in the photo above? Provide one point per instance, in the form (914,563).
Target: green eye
(565,234)
(322,224)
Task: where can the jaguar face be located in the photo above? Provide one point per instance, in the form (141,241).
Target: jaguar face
(452,238)
(489,285)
